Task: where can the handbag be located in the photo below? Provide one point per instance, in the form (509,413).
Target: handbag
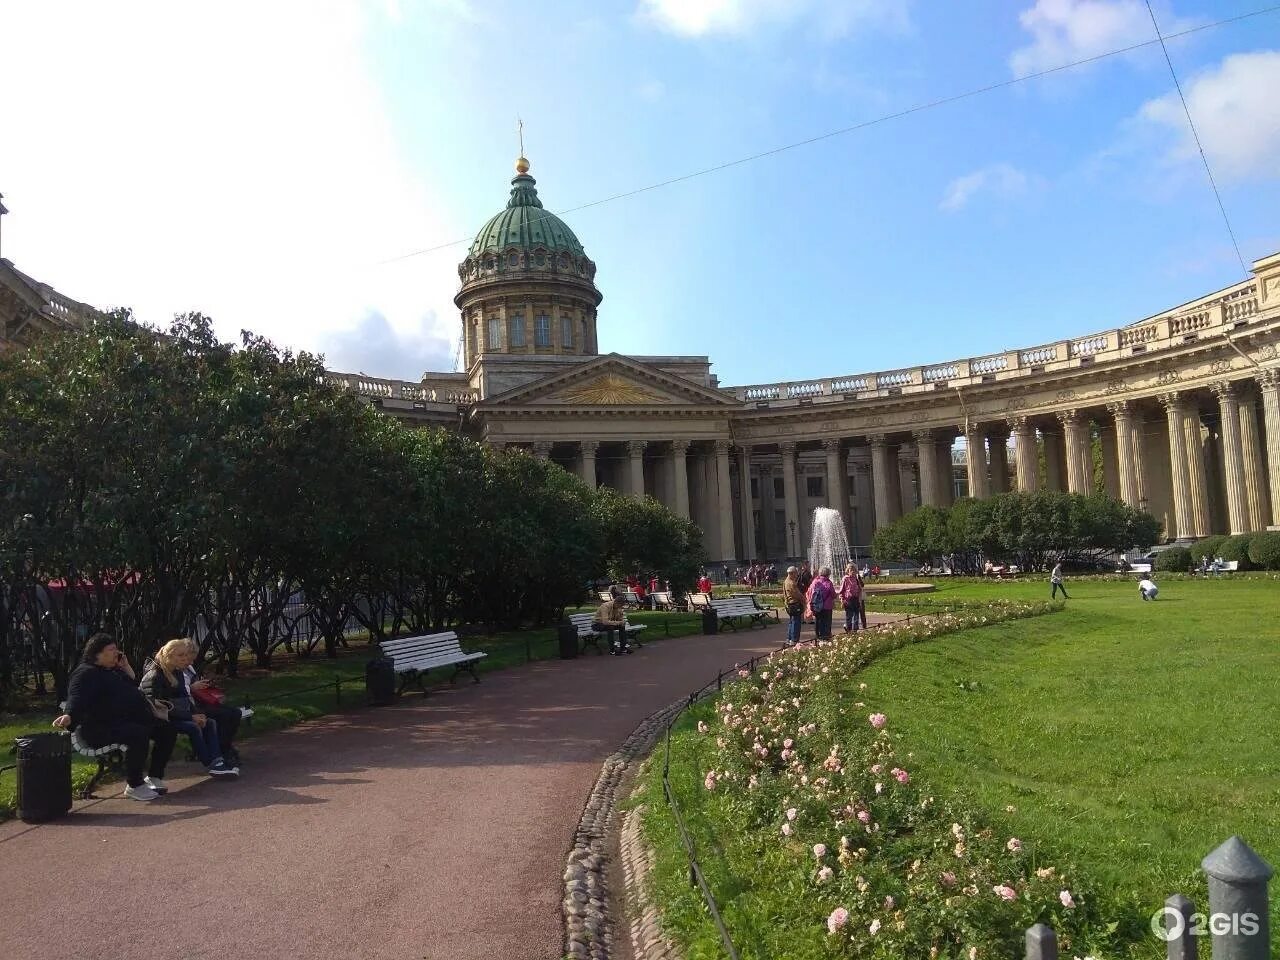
(161,708)
(209,696)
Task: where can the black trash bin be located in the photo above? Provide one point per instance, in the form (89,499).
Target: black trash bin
(568,641)
(44,776)
(710,621)
(380,681)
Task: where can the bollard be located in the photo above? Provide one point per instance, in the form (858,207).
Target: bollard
(1042,943)
(1238,904)
(1182,946)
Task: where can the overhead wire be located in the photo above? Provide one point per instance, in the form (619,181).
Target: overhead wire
(862,125)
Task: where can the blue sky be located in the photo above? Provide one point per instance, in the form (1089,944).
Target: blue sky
(262,166)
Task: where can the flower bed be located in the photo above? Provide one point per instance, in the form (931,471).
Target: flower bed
(826,843)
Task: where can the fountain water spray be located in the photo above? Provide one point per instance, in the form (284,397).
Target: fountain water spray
(829,546)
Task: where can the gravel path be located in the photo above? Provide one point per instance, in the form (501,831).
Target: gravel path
(436,829)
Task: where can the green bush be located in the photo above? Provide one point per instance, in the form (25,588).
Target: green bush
(1174,560)
(1236,548)
(1264,551)
(1208,547)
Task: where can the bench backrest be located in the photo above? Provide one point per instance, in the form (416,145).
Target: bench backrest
(583,621)
(734,606)
(1230,566)
(662,596)
(604,596)
(699,601)
(430,646)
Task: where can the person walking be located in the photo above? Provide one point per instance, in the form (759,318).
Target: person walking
(793,600)
(1055,581)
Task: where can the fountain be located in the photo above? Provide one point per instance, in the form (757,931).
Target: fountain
(829,546)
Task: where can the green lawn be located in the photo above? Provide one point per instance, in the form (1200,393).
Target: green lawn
(303,688)
(1118,739)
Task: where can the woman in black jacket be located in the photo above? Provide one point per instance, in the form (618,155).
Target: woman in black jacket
(165,678)
(106,706)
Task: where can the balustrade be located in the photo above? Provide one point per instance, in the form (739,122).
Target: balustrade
(1088,346)
(898,378)
(1190,322)
(1133,336)
(1037,356)
(988,365)
(813,389)
(849,384)
(946,371)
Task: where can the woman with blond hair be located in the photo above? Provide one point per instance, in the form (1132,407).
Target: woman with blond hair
(166,678)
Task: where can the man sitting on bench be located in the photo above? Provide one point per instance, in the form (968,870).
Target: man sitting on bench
(611,621)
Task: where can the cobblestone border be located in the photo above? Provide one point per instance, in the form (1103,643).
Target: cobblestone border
(647,939)
(588,925)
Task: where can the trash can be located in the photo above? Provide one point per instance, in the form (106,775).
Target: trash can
(380,681)
(568,641)
(710,621)
(44,776)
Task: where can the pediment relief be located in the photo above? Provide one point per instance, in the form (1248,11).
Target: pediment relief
(613,381)
(609,389)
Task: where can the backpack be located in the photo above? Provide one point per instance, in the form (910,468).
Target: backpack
(821,594)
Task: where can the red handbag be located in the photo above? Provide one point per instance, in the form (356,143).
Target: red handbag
(209,696)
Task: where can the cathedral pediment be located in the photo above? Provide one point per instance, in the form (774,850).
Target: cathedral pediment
(611,381)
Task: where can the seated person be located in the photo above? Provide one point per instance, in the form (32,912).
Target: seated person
(611,621)
(1148,587)
(106,706)
(165,678)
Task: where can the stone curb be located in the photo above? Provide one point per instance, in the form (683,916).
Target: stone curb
(647,939)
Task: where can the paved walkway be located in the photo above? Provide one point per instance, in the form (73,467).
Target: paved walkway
(436,829)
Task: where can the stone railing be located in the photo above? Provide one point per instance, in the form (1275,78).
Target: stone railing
(1212,315)
(377,388)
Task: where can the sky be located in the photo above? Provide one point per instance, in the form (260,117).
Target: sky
(278,165)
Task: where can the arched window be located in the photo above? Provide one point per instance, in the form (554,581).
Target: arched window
(491,263)
(540,259)
(513,259)
(566,331)
(517,330)
(471,338)
(542,331)
(494,341)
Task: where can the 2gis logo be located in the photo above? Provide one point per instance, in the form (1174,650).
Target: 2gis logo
(1168,924)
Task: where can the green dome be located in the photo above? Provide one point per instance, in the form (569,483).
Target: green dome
(524,224)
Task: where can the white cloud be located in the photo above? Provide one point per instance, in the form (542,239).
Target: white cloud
(1236,112)
(1000,179)
(835,18)
(1064,31)
(236,160)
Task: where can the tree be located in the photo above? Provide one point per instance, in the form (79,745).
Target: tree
(641,537)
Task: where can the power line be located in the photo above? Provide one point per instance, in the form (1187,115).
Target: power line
(918,108)
(1196,136)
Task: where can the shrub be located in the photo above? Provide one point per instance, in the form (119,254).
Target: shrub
(1208,547)
(1236,548)
(1175,560)
(1264,551)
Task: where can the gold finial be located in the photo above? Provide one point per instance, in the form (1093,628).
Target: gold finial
(522,165)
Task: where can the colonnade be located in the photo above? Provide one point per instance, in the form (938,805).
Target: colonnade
(1203,461)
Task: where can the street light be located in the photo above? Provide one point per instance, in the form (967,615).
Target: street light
(792,525)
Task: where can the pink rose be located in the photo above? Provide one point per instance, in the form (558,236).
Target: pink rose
(948,878)
(825,874)
(702,726)
(1014,845)
(839,917)
(877,767)
(1005,892)
(875,926)
(878,720)
(786,829)
(901,775)
(710,781)
(864,816)
(819,850)
(888,903)
(791,813)
(1067,900)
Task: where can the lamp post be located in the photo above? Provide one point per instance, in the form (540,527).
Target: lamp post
(792,525)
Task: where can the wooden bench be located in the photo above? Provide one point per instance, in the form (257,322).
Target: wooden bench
(588,634)
(416,656)
(767,611)
(662,600)
(742,606)
(626,594)
(699,602)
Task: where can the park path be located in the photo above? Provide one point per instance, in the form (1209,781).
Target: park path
(435,829)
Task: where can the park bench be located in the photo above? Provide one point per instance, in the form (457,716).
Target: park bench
(415,656)
(110,758)
(699,602)
(767,610)
(588,634)
(743,606)
(662,600)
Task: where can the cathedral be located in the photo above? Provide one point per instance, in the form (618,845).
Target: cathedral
(1184,405)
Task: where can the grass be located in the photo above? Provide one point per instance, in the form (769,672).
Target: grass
(1128,738)
(302,688)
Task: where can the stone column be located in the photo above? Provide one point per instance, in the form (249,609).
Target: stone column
(883,476)
(1201,524)
(1024,442)
(976,462)
(1128,469)
(998,456)
(1076,431)
(1055,465)
(1270,381)
(837,498)
(1255,482)
(587,464)
(792,504)
(679,453)
(943,445)
(1184,510)
(1233,457)
(542,450)
(927,458)
(726,501)
(861,521)
(635,448)
(748,517)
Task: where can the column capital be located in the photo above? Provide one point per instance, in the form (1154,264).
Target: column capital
(588,448)
(744,450)
(923,436)
(832,444)
(722,448)
(1069,417)
(1121,409)
(542,449)
(680,447)
(1018,424)
(636,447)
(1173,402)
(787,448)
(1223,389)
(877,439)
(1269,378)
